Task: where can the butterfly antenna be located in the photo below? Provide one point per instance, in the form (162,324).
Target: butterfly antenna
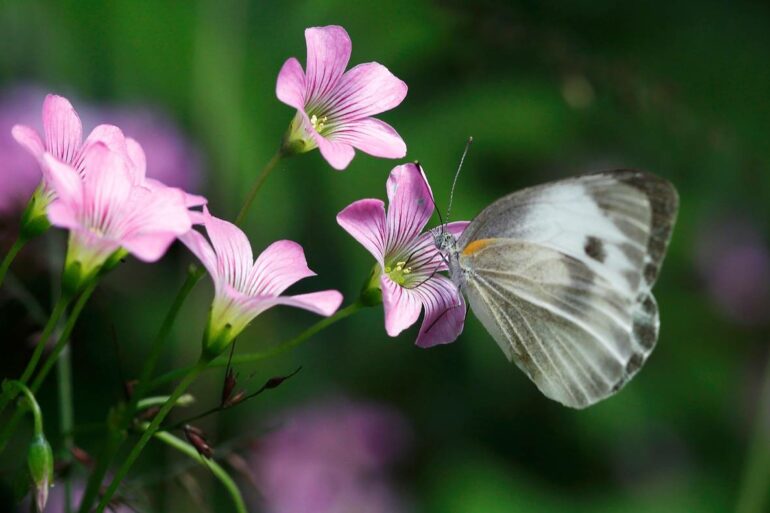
(457,175)
(425,178)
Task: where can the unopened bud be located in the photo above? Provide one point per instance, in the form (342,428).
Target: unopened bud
(40,463)
(197,439)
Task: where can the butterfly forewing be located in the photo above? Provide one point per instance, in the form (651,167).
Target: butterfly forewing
(560,274)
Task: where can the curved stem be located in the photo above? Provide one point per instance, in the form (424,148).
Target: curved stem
(273,351)
(753,495)
(53,320)
(37,415)
(9,257)
(257,185)
(149,433)
(215,468)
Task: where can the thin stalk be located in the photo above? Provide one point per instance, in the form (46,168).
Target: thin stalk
(116,434)
(58,310)
(67,416)
(9,257)
(257,185)
(37,415)
(268,353)
(755,487)
(10,426)
(215,468)
(180,389)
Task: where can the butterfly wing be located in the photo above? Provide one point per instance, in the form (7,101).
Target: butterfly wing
(560,275)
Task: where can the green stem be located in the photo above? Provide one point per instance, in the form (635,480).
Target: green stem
(268,353)
(67,416)
(257,185)
(753,494)
(10,426)
(37,415)
(149,433)
(15,248)
(216,469)
(53,320)
(115,436)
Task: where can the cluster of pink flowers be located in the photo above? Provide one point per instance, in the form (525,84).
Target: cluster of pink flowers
(98,189)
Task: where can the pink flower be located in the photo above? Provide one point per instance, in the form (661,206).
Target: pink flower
(110,207)
(243,287)
(331,457)
(334,108)
(408,260)
(63,134)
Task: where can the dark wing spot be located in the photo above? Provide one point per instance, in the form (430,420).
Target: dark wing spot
(634,363)
(594,248)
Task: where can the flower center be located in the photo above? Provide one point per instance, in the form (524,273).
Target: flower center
(318,123)
(399,273)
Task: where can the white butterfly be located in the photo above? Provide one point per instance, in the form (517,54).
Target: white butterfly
(560,275)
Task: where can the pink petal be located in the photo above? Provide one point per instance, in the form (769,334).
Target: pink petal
(337,154)
(372,136)
(234,256)
(365,221)
(30,139)
(63,215)
(324,303)
(190,200)
(328,52)
(279,266)
(65,181)
(138,160)
(109,135)
(159,210)
(411,205)
(148,247)
(107,183)
(402,306)
(62,128)
(290,87)
(366,90)
(200,247)
(456,228)
(444,312)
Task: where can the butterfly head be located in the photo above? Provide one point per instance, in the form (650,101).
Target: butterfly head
(445,242)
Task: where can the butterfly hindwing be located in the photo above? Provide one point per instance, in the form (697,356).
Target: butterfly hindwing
(560,275)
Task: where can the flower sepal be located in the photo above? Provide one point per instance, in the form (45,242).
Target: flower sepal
(371,292)
(34,220)
(297,140)
(216,338)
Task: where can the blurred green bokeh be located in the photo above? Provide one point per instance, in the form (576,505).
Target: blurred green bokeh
(547,89)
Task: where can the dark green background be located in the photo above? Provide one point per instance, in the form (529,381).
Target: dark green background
(677,88)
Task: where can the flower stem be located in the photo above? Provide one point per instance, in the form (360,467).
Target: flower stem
(115,436)
(37,415)
(257,185)
(15,248)
(180,389)
(53,320)
(753,494)
(10,426)
(273,351)
(215,468)
(67,416)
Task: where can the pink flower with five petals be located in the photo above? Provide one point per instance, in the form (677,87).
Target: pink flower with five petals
(334,107)
(243,287)
(110,209)
(407,260)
